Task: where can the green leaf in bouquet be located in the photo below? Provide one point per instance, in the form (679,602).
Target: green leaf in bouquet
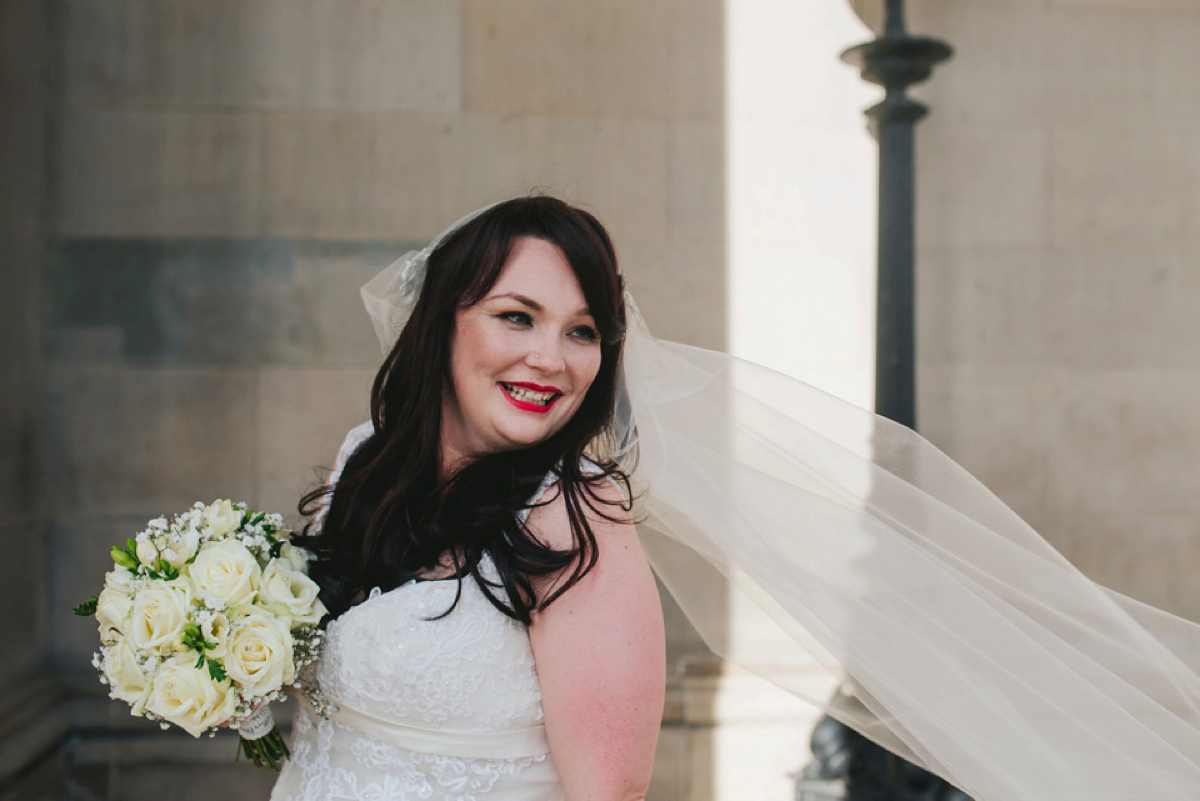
(215,669)
(276,544)
(131,545)
(258,518)
(167,570)
(87,608)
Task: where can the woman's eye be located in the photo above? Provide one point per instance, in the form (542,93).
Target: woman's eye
(586,333)
(520,318)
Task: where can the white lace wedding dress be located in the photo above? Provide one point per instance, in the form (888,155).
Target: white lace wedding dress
(436,710)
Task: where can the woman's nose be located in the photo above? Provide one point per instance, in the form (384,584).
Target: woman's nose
(547,357)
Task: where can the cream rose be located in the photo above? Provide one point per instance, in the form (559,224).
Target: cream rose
(222,518)
(160,611)
(180,546)
(216,630)
(188,697)
(147,554)
(226,571)
(260,652)
(112,613)
(119,580)
(291,592)
(297,558)
(125,677)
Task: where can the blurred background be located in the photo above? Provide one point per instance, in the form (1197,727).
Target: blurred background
(192,192)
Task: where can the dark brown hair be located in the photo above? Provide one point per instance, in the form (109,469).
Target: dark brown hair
(391,517)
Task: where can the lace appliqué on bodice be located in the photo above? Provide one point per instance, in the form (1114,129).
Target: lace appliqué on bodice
(468,673)
(472,670)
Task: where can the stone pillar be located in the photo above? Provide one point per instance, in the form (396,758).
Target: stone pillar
(30,726)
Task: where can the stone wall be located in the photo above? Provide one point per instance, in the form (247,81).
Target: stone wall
(225,174)
(228,173)
(1058,191)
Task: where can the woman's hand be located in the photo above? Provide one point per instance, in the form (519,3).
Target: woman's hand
(601,663)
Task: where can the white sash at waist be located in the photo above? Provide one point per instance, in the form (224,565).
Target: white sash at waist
(513,744)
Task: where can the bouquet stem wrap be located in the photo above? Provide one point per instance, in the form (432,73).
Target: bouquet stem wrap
(261,741)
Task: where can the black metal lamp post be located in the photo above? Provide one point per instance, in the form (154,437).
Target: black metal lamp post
(895,61)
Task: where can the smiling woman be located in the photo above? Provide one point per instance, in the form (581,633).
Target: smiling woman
(524,357)
(538,673)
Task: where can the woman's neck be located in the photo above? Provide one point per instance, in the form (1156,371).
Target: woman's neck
(450,462)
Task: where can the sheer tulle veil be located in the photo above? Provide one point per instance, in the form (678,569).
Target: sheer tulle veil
(972,646)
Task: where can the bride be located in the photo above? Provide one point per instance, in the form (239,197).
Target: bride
(496,632)
(496,629)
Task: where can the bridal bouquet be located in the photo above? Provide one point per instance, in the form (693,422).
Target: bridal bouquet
(204,619)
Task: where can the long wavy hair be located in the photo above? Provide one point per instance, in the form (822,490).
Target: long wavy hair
(393,518)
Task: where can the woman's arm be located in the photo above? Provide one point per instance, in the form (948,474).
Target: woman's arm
(601,663)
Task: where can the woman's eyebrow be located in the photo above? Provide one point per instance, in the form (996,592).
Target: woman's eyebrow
(584,311)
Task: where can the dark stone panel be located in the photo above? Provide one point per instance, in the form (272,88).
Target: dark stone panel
(201,302)
(23,46)
(25,636)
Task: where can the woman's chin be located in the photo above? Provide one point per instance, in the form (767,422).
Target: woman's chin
(522,441)
(519,437)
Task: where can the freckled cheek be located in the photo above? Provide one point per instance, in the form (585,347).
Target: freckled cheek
(480,354)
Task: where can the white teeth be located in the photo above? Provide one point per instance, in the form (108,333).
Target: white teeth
(528,395)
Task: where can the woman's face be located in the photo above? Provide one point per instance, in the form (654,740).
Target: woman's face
(522,358)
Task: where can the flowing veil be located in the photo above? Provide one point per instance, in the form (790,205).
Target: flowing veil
(973,648)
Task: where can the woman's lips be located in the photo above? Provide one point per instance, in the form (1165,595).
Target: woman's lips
(528,405)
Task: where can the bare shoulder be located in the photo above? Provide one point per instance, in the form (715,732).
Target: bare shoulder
(603,504)
(600,654)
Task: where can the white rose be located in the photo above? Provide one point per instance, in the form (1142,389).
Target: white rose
(188,697)
(125,677)
(293,592)
(216,630)
(297,558)
(227,572)
(260,652)
(160,611)
(119,580)
(222,518)
(147,554)
(112,613)
(180,546)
